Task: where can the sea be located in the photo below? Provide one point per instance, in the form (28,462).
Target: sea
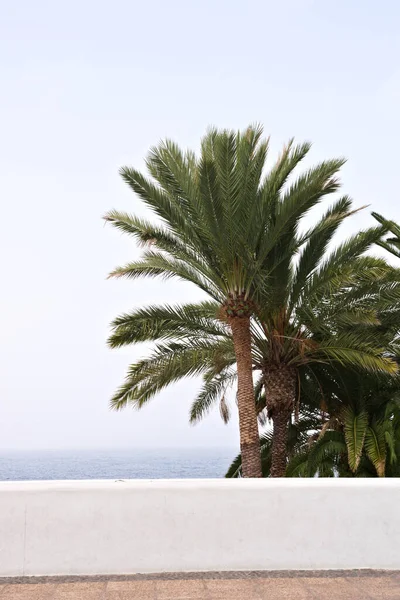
(141,463)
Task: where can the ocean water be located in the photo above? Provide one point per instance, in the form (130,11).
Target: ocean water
(115,464)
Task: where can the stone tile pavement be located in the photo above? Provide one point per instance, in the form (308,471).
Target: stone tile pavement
(302,585)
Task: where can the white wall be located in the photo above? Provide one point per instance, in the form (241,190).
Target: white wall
(104,527)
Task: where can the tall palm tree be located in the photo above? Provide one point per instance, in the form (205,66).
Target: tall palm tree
(225,226)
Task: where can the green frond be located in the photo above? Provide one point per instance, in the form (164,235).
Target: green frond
(361,359)
(235,469)
(301,196)
(388,224)
(344,263)
(154,264)
(156,199)
(160,237)
(298,465)
(175,172)
(355,427)
(165,322)
(375,446)
(380,218)
(331,445)
(169,363)
(317,243)
(391,444)
(390,246)
(144,232)
(275,180)
(211,392)
(356,317)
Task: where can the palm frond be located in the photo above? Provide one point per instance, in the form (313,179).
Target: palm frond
(331,445)
(316,245)
(212,391)
(344,263)
(155,264)
(235,469)
(355,427)
(169,363)
(165,322)
(375,446)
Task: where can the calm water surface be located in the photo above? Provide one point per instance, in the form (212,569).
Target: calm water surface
(115,464)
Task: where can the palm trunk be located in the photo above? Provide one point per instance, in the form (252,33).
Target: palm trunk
(280,420)
(280,393)
(248,424)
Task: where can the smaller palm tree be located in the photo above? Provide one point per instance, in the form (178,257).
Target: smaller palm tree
(350,428)
(360,436)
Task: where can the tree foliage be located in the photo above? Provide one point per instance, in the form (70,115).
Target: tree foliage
(235,229)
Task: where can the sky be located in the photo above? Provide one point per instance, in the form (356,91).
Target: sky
(89,86)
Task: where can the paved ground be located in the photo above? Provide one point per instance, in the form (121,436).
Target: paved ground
(211,586)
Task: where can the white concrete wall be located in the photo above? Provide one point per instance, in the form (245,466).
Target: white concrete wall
(107,527)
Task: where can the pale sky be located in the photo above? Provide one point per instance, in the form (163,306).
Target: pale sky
(89,86)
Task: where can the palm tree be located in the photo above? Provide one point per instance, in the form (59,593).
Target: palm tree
(357,434)
(360,435)
(326,310)
(225,227)
(350,326)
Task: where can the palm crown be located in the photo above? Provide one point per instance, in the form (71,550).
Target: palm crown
(223,220)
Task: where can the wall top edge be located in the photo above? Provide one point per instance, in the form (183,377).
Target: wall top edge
(188,484)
